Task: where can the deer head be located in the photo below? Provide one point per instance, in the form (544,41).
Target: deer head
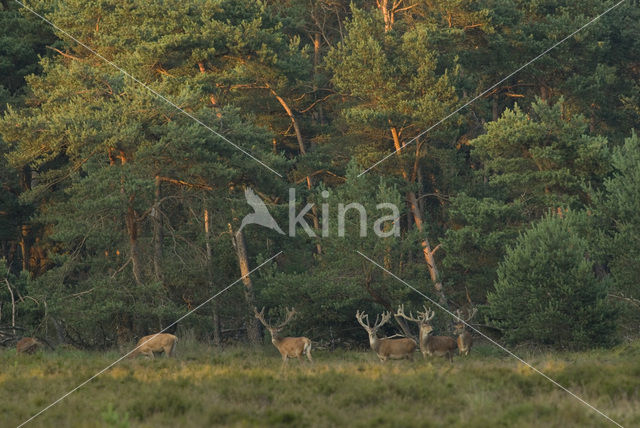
(461,322)
(422,319)
(274,330)
(363,319)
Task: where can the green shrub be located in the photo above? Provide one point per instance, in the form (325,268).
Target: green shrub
(547,293)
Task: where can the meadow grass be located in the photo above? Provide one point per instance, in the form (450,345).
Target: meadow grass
(240,386)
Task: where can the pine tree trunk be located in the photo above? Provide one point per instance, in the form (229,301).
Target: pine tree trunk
(132,230)
(253,326)
(217,339)
(158,233)
(387,14)
(26,238)
(316,62)
(303,151)
(427,251)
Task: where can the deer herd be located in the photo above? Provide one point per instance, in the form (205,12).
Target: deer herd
(440,346)
(296,347)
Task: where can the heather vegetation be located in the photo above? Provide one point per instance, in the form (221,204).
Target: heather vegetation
(239,386)
(128,173)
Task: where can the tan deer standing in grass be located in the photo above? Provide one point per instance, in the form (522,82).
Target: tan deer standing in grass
(289,347)
(441,346)
(386,348)
(465,341)
(161,342)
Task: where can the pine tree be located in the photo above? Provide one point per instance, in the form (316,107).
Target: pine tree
(526,164)
(547,293)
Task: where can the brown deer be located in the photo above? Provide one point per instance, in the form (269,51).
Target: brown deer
(161,342)
(28,345)
(386,348)
(289,347)
(443,346)
(465,341)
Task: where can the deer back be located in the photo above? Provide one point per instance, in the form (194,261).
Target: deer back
(156,342)
(439,345)
(397,348)
(291,346)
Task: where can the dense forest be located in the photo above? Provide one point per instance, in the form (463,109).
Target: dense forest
(125,159)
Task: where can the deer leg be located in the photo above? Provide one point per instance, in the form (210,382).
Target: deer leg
(307,350)
(284,363)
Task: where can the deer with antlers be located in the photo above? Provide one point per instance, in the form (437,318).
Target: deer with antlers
(465,341)
(289,347)
(443,346)
(386,348)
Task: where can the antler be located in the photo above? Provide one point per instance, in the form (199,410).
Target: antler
(400,313)
(361,316)
(260,316)
(427,315)
(290,314)
(473,313)
(386,316)
(470,315)
(380,321)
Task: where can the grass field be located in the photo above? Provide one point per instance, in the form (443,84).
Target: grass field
(242,387)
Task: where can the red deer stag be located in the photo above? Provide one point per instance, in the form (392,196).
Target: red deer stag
(465,341)
(161,342)
(395,349)
(443,346)
(289,347)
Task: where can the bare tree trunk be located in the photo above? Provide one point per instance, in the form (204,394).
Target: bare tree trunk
(294,122)
(158,235)
(26,238)
(253,326)
(25,246)
(316,62)
(387,14)
(132,229)
(217,339)
(13,306)
(303,151)
(427,251)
